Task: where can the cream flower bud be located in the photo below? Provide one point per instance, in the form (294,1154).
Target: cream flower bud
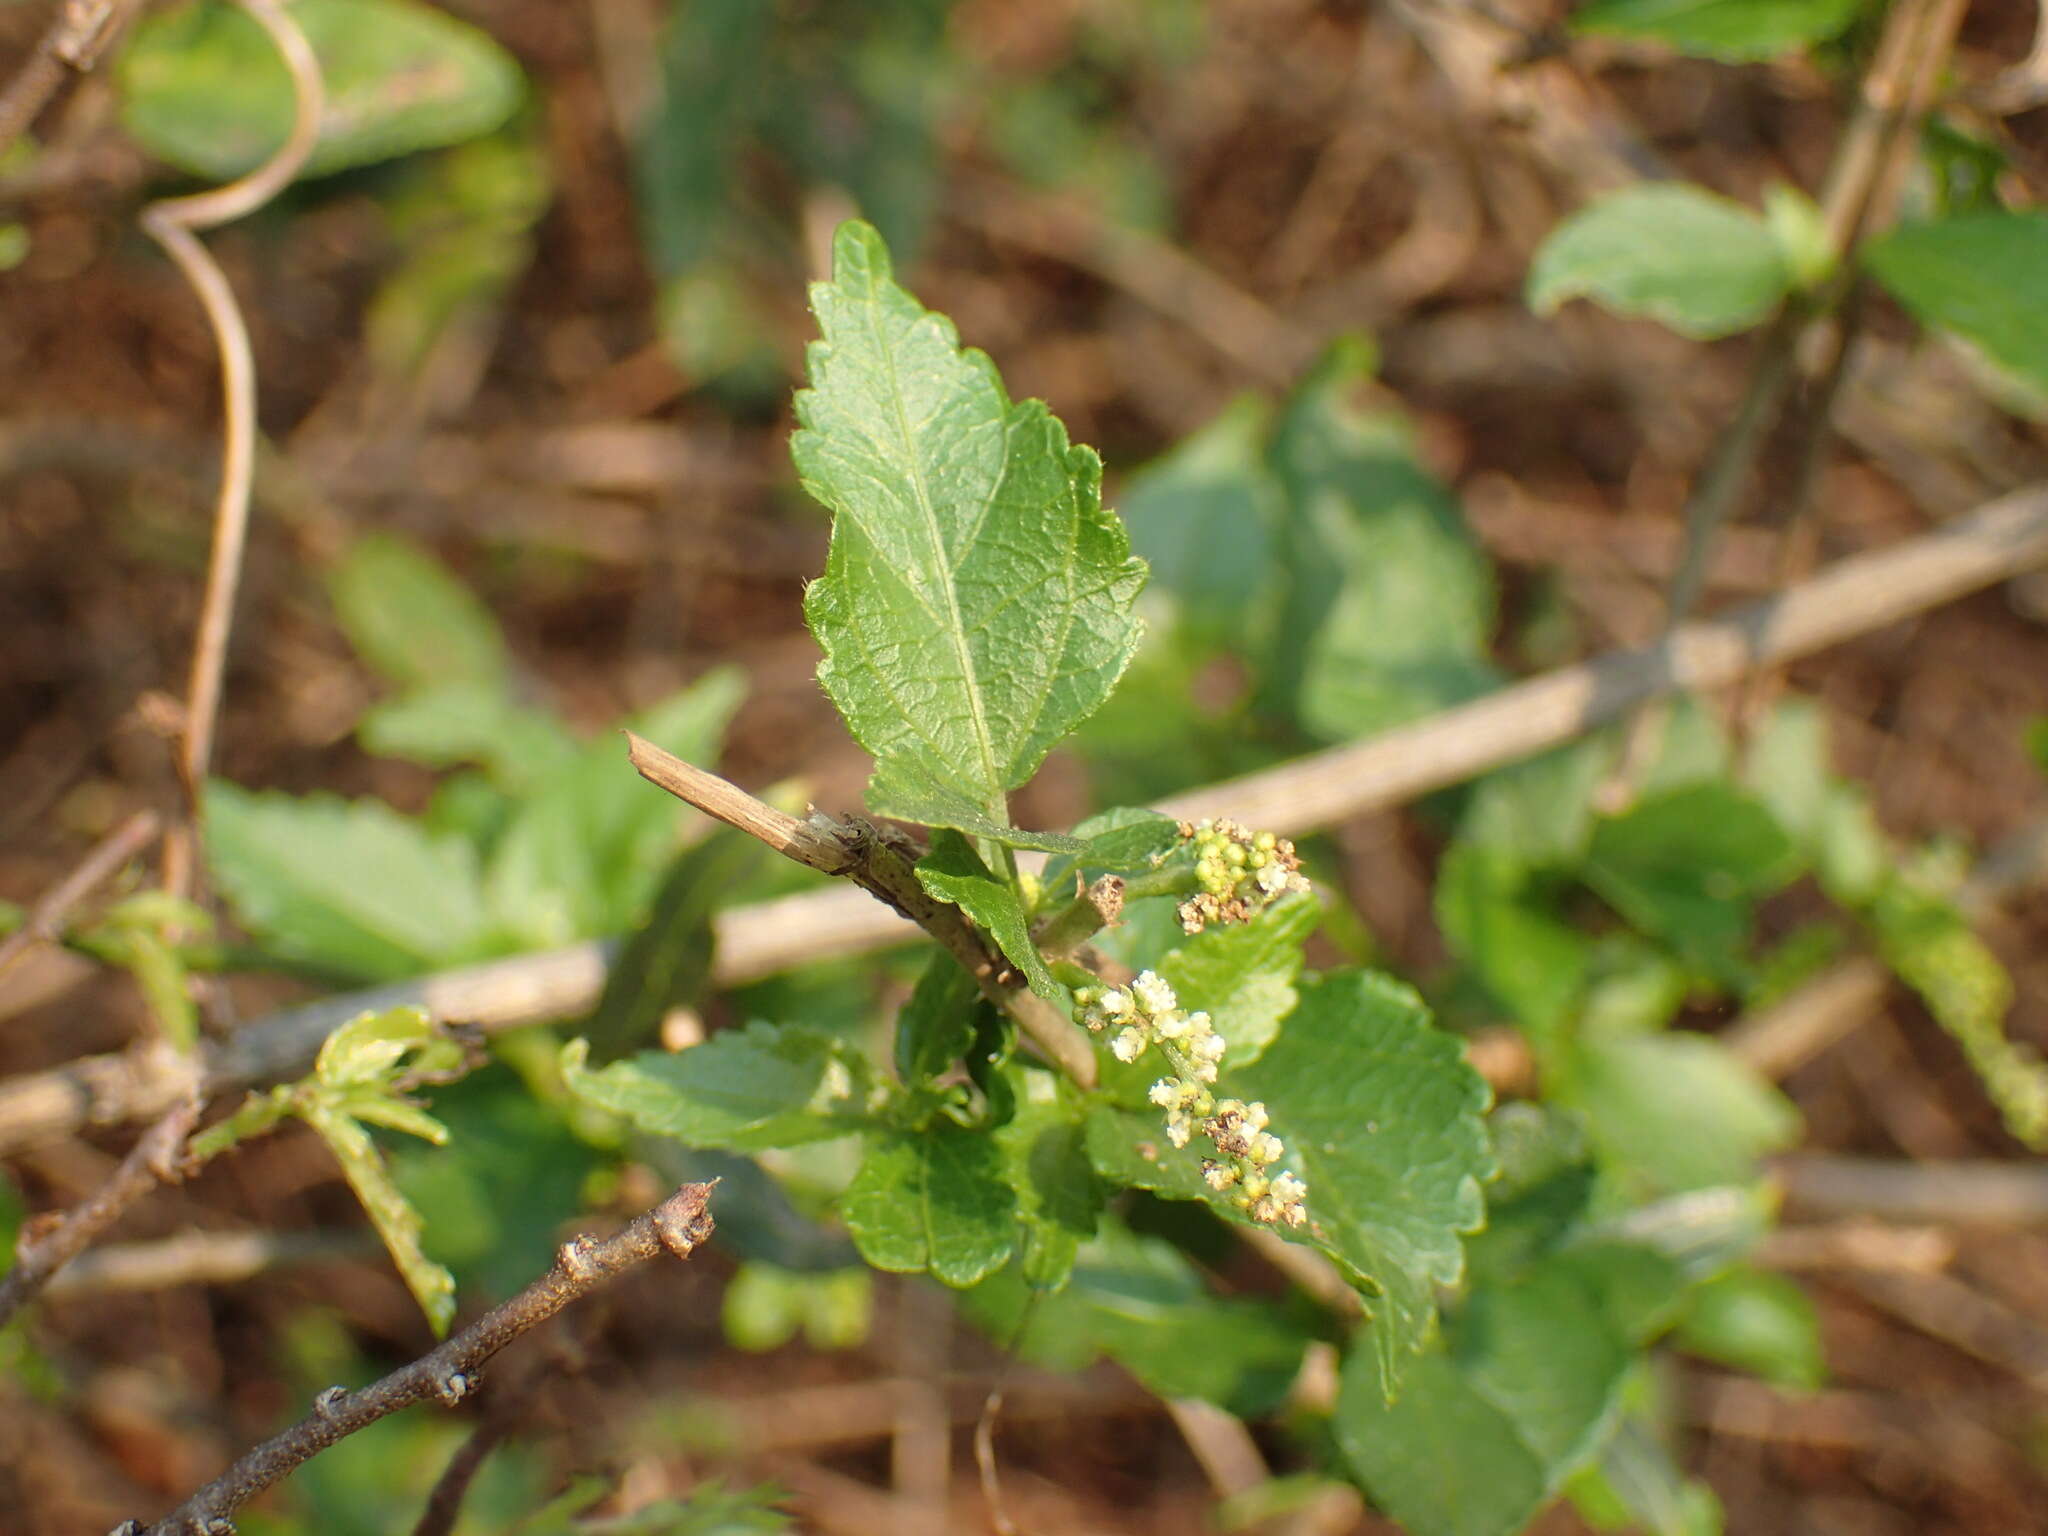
(1153,993)
(1128,1045)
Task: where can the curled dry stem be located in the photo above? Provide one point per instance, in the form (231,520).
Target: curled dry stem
(679,1225)
(173,223)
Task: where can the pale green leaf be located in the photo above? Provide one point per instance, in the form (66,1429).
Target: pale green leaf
(348,887)
(742,1090)
(203,87)
(977,598)
(1665,251)
(411,620)
(1674,1112)
(1733,30)
(933,1200)
(1532,964)
(469,721)
(1202,517)
(1242,974)
(1758,1322)
(397,1223)
(1983,276)
(368,1048)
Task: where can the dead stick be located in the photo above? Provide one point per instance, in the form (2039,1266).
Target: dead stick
(861,853)
(679,1225)
(45,922)
(153,1160)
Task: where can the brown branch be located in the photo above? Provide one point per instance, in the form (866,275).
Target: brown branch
(203,1258)
(871,860)
(173,224)
(444,1504)
(41,1253)
(45,921)
(1856,595)
(1984,1193)
(77,36)
(679,1225)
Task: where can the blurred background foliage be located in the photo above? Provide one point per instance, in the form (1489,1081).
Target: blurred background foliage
(527,330)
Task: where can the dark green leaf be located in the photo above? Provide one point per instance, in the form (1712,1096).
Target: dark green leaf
(1532,964)
(932,1201)
(936,1026)
(666,962)
(953,872)
(1983,276)
(1686,867)
(1733,30)
(1665,251)
(1491,1421)
(204,88)
(742,1090)
(977,598)
(1045,1159)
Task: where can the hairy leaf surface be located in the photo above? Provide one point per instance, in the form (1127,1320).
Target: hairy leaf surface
(976,602)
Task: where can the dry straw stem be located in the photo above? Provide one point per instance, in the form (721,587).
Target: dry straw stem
(679,1225)
(45,921)
(871,860)
(1998,540)
(77,35)
(40,1254)
(204,1258)
(173,224)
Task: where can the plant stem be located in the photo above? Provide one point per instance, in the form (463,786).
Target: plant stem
(679,1225)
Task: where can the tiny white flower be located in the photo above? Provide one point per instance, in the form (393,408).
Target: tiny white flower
(1128,1046)
(1165,1093)
(1266,1148)
(1153,993)
(1289,1190)
(1171,1026)
(1209,1047)
(1116,1003)
(1178,1129)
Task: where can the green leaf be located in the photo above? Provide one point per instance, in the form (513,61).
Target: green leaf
(714,59)
(350,887)
(1541,811)
(581,858)
(936,1025)
(411,620)
(1733,30)
(666,962)
(953,872)
(397,1223)
(1674,1112)
(1757,1322)
(1686,867)
(1491,1421)
(1670,252)
(367,1050)
(932,1200)
(977,598)
(1139,1301)
(1388,602)
(1933,949)
(1982,276)
(1384,1120)
(1045,1160)
(742,1090)
(203,87)
(1124,841)
(442,724)
(1532,964)
(1202,517)
(1242,974)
